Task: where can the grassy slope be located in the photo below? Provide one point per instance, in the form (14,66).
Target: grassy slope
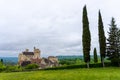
(71,74)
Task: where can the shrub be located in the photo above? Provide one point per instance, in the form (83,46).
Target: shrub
(2,67)
(13,68)
(31,66)
(69,61)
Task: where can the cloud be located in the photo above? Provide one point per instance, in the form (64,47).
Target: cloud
(54,26)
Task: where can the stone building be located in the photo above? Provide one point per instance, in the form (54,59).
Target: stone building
(27,57)
(49,62)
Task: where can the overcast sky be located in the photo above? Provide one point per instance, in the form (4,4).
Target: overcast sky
(53,26)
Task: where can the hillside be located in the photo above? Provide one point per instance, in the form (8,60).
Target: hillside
(72,74)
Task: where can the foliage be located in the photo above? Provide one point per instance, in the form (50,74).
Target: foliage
(102,38)
(31,66)
(65,64)
(2,67)
(95,56)
(9,68)
(1,60)
(86,37)
(70,61)
(113,51)
(14,68)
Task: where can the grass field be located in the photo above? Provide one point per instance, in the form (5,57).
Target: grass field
(71,74)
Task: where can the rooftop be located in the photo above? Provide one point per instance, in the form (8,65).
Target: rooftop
(28,53)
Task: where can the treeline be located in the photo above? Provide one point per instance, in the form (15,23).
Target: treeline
(108,47)
(16,68)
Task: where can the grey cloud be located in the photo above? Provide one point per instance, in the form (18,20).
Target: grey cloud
(54,26)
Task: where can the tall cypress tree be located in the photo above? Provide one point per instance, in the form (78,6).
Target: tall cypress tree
(95,56)
(86,37)
(102,39)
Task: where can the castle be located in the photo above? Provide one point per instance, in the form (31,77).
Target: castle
(27,57)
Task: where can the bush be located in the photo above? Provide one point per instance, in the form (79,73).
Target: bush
(31,66)
(2,67)
(70,61)
(14,68)
(97,65)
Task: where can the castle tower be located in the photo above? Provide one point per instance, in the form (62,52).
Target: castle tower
(27,50)
(36,53)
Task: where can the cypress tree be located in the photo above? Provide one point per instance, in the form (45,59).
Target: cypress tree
(95,56)
(86,37)
(102,39)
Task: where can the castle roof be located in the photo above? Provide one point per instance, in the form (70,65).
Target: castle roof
(28,53)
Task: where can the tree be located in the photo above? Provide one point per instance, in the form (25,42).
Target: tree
(86,37)
(95,56)
(102,39)
(1,60)
(113,43)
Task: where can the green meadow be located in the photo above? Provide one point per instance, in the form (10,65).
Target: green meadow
(111,73)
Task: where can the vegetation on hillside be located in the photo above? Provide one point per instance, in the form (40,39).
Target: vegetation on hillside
(71,74)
